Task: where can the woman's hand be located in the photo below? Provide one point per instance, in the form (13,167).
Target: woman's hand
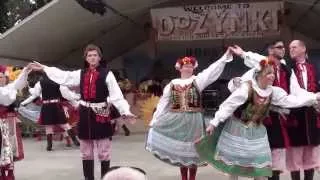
(210,129)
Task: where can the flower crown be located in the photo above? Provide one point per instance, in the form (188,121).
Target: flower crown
(186,60)
(3,69)
(266,62)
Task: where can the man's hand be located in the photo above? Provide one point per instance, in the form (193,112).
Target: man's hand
(237,50)
(130,118)
(237,82)
(36,66)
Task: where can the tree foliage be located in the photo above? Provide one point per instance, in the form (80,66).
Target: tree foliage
(14,11)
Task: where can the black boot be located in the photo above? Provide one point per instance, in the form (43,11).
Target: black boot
(275,175)
(105,165)
(73,137)
(295,175)
(88,169)
(49,142)
(126,130)
(308,174)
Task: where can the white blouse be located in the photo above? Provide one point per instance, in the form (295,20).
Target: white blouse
(9,92)
(252,60)
(279,98)
(202,80)
(72,78)
(65,92)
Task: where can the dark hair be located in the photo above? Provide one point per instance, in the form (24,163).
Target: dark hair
(271,44)
(92,47)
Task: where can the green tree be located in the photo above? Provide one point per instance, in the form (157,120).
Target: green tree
(3,16)
(14,11)
(18,10)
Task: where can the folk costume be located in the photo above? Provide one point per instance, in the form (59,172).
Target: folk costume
(53,113)
(178,120)
(240,146)
(11,147)
(94,127)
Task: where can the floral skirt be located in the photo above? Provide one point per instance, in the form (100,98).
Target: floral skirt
(11,142)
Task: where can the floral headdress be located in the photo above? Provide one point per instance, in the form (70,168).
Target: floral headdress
(3,69)
(186,60)
(264,64)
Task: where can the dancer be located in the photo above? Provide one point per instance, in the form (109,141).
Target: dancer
(52,111)
(279,119)
(240,146)
(11,143)
(304,133)
(301,154)
(178,120)
(94,128)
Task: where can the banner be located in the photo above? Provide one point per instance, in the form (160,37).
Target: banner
(218,21)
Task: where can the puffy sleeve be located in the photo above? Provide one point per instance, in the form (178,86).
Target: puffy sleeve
(7,95)
(227,108)
(213,72)
(163,104)
(249,75)
(34,93)
(295,88)
(251,59)
(9,92)
(68,94)
(66,78)
(21,81)
(115,95)
(282,99)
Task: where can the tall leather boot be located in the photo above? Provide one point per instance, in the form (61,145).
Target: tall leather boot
(49,142)
(295,175)
(88,169)
(126,130)
(275,175)
(73,137)
(105,166)
(192,173)
(308,174)
(184,173)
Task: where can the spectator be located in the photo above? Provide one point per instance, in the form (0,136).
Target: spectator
(125,173)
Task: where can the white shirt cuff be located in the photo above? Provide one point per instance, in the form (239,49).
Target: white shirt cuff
(214,122)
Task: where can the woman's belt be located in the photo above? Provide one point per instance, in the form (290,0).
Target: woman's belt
(187,109)
(50,101)
(93,105)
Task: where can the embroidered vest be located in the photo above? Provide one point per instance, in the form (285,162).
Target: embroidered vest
(98,85)
(185,98)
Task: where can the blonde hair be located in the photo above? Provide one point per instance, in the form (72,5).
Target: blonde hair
(124,173)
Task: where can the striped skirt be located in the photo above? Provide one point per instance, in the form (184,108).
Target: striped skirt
(172,138)
(238,149)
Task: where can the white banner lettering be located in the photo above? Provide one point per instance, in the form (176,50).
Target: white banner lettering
(217,21)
